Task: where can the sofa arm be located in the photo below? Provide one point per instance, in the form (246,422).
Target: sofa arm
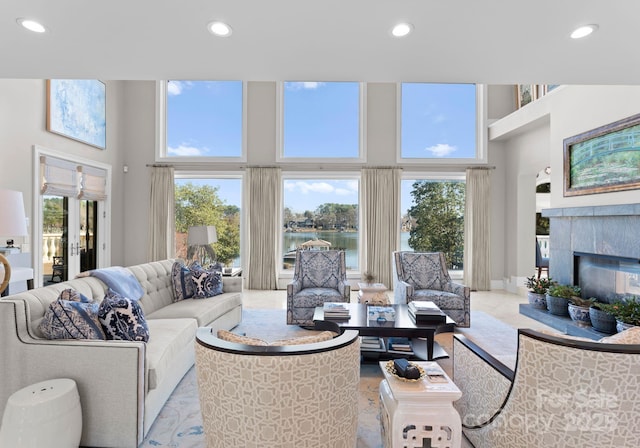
(109,375)
(232,284)
(484,381)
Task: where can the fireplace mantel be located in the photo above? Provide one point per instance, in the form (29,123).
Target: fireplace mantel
(610,230)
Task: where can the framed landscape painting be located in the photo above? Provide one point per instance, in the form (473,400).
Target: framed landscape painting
(525,93)
(604,159)
(76,108)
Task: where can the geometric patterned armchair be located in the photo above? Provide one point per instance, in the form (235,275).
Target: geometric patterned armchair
(424,276)
(319,276)
(563,393)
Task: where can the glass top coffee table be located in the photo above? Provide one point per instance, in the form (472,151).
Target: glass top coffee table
(402,326)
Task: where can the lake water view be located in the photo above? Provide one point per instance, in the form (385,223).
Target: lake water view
(348,241)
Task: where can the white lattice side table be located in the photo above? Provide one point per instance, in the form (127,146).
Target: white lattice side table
(419,414)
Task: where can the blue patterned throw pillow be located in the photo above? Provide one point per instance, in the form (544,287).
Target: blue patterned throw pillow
(183,286)
(122,318)
(71,316)
(207,281)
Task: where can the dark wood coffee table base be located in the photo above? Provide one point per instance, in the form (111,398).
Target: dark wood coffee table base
(423,343)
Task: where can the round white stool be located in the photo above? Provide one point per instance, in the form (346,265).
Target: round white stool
(43,414)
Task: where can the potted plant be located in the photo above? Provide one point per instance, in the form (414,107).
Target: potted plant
(537,291)
(579,309)
(601,320)
(558,296)
(626,312)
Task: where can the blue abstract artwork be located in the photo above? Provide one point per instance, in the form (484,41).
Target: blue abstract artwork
(77,109)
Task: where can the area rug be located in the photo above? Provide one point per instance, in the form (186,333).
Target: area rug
(179,423)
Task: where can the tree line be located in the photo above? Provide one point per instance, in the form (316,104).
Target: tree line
(437,218)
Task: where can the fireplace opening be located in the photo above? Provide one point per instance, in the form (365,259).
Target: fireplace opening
(606,277)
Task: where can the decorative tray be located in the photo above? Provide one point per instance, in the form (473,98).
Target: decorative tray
(392,370)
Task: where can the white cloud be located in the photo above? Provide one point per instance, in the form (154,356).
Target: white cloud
(307,85)
(441,150)
(186,150)
(439,118)
(303,187)
(353,186)
(313,187)
(176,87)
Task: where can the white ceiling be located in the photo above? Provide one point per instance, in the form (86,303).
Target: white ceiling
(484,41)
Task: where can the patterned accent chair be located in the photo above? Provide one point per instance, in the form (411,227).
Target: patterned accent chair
(278,396)
(563,393)
(320,276)
(424,276)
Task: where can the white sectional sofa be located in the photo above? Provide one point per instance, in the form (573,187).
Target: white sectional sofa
(123,385)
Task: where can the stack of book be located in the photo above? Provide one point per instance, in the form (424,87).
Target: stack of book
(336,310)
(423,312)
(400,345)
(371,343)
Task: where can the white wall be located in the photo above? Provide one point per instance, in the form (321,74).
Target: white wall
(577,109)
(23,125)
(531,139)
(517,155)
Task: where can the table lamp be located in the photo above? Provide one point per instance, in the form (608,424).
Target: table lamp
(12,223)
(199,240)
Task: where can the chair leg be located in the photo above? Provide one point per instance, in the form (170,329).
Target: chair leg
(539,271)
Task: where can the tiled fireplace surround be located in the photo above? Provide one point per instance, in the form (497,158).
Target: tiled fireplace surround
(601,234)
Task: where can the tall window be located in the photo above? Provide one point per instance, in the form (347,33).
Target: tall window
(439,121)
(433,217)
(321,209)
(214,201)
(321,120)
(204,119)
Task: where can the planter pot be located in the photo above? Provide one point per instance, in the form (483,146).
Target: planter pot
(558,305)
(602,321)
(579,314)
(536,300)
(621,326)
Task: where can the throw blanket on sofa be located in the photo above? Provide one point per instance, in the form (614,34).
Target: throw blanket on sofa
(119,279)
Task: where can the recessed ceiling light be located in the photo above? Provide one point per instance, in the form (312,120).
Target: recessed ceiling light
(32,25)
(219,29)
(583,31)
(401,29)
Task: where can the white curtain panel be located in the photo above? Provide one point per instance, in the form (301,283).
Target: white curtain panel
(477,240)
(161,243)
(381,202)
(264,208)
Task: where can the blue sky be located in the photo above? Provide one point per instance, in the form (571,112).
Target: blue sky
(205,119)
(321,119)
(302,194)
(438,120)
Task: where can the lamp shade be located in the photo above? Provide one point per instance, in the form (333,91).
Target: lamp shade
(201,235)
(13,221)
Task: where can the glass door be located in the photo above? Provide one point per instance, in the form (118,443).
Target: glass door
(68,249)
(55,239)
(88,234)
